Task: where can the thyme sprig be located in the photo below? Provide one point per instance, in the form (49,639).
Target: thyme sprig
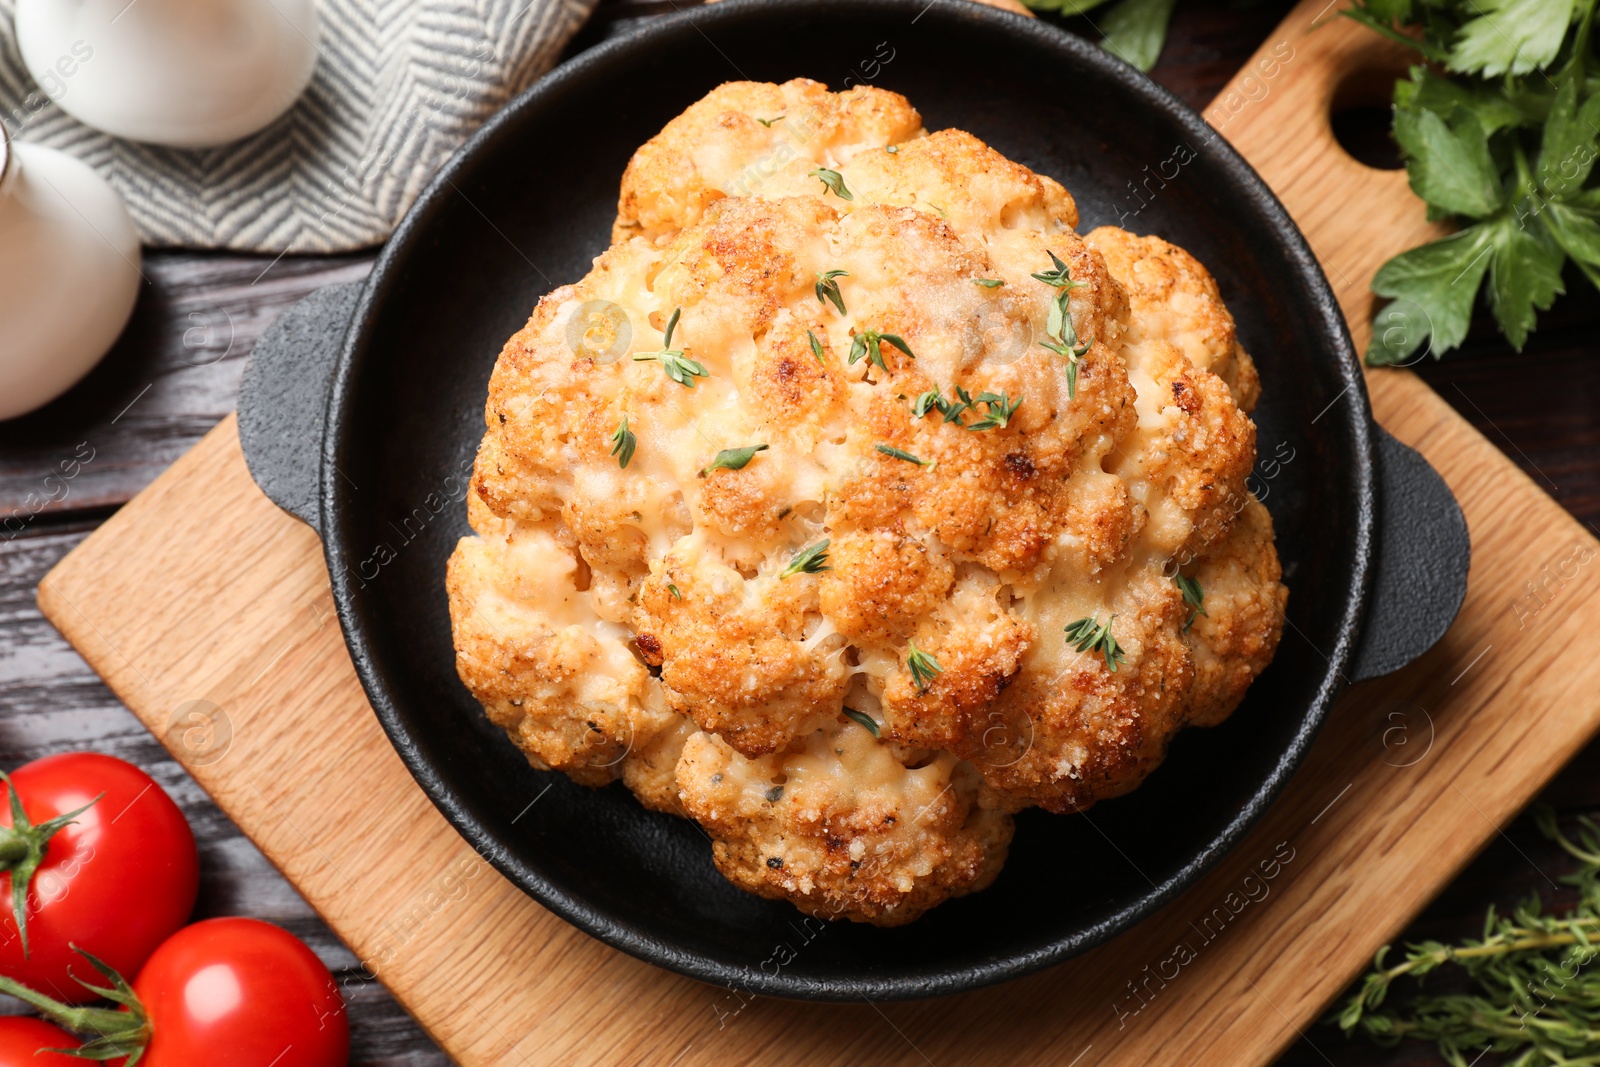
(1537,992)
(809,560)
(932,400)
(1193,596)
(1063,339)
(1090,635)
(1060,277)
(869,344)
(623,442)
(900,453)
(679,367)
(922,666)
(861,718)
(834,181)
(816,347)
(768,122)
(828,289)
(1001,408)
(733,459)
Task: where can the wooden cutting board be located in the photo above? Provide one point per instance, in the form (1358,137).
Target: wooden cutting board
(208,611)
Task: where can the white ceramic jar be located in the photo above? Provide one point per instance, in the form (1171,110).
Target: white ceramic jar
(69,273)
(185,73)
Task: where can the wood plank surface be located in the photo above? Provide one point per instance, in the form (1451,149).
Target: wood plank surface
(718,1026)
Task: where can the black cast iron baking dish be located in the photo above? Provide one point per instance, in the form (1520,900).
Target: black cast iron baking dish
(364,405)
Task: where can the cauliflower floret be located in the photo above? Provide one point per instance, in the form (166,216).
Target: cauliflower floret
(745,658)
(744,138)
(1175,299)
(1244,602)
(558,679)
(841,828)
(784,451)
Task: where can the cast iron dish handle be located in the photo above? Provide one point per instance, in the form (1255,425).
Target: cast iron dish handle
(1422,548)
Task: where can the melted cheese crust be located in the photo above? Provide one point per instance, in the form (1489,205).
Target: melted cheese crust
(638,623)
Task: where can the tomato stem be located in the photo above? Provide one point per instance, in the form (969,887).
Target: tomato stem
(113,1033)
(22,848)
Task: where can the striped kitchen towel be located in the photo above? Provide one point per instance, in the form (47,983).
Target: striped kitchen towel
(399,85)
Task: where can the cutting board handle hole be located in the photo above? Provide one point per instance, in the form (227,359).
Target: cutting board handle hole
(1360,110)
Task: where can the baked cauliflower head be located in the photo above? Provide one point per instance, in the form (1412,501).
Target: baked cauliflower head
(854,502)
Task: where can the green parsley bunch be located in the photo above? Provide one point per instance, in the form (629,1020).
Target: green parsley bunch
(1134,30)
(1500,129)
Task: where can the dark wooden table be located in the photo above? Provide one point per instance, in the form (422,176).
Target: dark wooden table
(175,372)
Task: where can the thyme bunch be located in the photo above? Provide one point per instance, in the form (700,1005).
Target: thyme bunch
(1535,983)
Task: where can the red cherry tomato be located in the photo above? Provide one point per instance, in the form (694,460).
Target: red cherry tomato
(117,881)
(22,1036)
(244,993)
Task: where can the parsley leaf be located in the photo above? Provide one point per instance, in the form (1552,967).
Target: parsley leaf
(1133,30)
(1508,157)
(1524,275)
(1449,165)
(1136,29)
(1441,279)
(1511,36)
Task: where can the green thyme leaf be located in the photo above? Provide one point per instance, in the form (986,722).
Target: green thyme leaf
(988,283)
(623,443)
(733,459)
(861,718)
(1193,596)
(922,666)
(890,450)
(808,560)
(816,347)
(868,343)
(1001,408)
(678,366)
(953,409)
(1060,277)
(932,400)
(834,181)
(1090,635)
(1063,339)
(828,289)
(768,122)
(674,591)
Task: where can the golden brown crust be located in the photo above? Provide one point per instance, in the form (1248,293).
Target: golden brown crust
(842,829)
(652,622)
